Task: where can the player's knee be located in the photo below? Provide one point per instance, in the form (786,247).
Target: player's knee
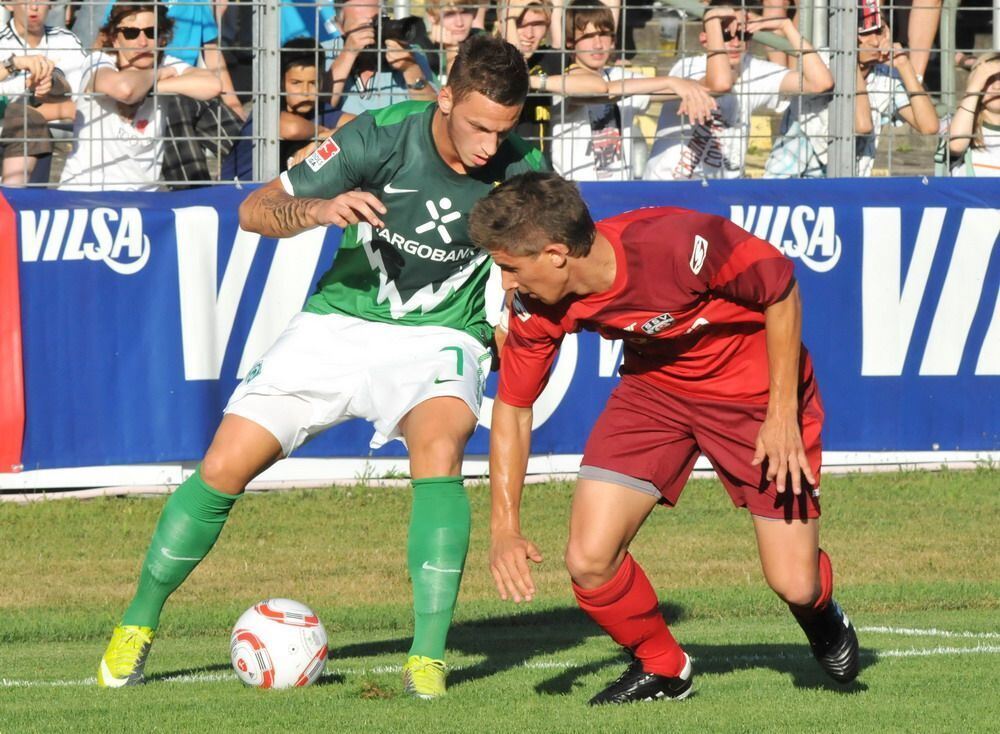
(797,591)
(439,455)
(220,472)
(589,566)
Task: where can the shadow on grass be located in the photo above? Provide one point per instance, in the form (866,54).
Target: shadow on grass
(171,675)
(520,640)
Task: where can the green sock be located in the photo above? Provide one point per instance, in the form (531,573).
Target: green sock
(188,528)
(438,544)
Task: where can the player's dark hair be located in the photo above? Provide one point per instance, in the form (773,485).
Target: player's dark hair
(492,67)
(524,214)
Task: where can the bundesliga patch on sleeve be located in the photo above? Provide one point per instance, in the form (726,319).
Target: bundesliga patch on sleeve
(321,156)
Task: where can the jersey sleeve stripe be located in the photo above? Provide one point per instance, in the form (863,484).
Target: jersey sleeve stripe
(286,183)
(743,256)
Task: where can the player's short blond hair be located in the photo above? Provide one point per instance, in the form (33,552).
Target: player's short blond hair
(435,8)
(519,7)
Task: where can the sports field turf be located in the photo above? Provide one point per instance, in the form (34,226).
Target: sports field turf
(916,558)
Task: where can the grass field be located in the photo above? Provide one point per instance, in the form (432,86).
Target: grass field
(917,563)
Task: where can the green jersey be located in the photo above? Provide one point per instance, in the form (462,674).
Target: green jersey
(421,268)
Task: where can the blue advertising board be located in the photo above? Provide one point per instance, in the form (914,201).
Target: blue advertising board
(140,313)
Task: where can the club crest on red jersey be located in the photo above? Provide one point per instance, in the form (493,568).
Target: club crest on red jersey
(657,324)
(319,157)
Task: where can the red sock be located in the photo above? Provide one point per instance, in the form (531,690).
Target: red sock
(626,608)
(825,589)
(825,581)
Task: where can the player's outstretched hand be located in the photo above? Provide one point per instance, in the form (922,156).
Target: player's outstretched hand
(349,208)
(780,443)
(509,554)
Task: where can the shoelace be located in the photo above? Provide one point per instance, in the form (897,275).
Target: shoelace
(130,649)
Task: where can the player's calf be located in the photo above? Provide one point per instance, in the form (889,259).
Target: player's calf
(830,633)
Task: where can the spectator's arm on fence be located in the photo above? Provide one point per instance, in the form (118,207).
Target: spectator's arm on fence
(920,115)
(862,105)
(812,76)
(216,63)
(718,72)
(201,84)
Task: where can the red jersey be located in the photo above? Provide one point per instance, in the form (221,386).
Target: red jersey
(688,303)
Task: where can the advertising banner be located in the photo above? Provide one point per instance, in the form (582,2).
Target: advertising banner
(139,313)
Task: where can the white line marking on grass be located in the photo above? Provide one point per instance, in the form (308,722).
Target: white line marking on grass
(215,677)
(932,632)
(939,651)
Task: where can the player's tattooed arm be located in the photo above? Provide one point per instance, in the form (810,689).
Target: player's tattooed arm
(273,212)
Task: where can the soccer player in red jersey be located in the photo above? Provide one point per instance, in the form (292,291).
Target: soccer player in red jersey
(710,318)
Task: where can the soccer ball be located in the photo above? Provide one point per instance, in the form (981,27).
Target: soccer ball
(278,643)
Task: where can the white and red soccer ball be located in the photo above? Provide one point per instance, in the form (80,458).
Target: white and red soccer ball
(278,643)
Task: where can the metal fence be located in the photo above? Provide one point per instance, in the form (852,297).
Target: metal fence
(166,133)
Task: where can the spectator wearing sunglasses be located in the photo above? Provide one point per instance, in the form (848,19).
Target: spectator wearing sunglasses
(195,41)
(717,148)
(119,127)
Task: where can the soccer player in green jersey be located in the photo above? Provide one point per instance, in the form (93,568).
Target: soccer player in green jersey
(395,333)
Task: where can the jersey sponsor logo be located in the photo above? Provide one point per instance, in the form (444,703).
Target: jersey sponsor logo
(112,236)
(390,189)
(814,240)
(426,298)
(657,324)
(321,156)
(426,252)
(698,253)
(439,219)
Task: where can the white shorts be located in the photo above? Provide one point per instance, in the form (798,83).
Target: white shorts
(326,369)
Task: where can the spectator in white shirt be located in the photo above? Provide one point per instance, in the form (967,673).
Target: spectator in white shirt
(593,136)
(718,147)
(39,66)
(119,124)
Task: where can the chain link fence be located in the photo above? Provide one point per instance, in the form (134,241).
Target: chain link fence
(152,96)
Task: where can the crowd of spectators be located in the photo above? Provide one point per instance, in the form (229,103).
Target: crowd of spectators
(101,95)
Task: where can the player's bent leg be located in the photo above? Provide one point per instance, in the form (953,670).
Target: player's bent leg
(188,527)
(436,432)
(802,575)
(614,591)
(240,450)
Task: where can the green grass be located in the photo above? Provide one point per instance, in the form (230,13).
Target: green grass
(911,551)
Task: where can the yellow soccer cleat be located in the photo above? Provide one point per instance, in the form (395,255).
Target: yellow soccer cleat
(125,657)
(423,677)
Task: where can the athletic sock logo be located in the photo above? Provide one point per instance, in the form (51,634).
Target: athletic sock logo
(428,567)
(172,557)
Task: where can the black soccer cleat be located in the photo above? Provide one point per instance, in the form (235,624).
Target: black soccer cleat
(635,684)
(833,641)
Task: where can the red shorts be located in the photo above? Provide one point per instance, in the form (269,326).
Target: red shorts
(652,438)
